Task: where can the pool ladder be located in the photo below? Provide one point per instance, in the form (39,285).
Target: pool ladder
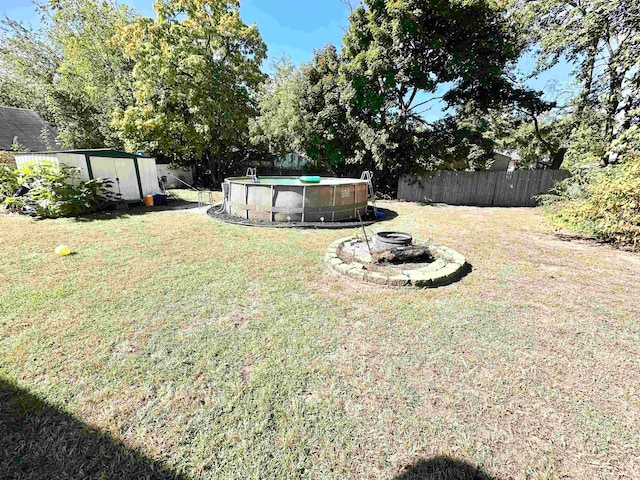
(253,174)
(371,194)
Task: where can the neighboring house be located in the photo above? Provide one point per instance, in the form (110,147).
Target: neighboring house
(289,164)
(25,127)
(291,160)
(505,161)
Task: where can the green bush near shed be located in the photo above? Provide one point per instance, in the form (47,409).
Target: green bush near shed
(8,181)
(53,191)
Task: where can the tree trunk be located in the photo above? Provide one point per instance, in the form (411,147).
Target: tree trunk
(557,158)
(615,87)
(613,102)
(212,168)
(588,77)
(557,155)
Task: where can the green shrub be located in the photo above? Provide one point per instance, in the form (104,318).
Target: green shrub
(587,146)
(56,191)
(8,181)
(601,202)
(628,143)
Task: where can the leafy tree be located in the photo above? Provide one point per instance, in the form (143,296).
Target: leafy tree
(94,78)
(586,141)
(628,143)
(395,51)
(196,66)
(330,134)
(601,202)
(28,63)
(470,143)
(601,39)
(400,56)
(8,177)
(541,143)
(279,123)
(363,108)
(69,70)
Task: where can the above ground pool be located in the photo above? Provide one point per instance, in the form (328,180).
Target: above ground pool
(288,199)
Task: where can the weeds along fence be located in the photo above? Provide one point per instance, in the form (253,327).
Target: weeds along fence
(495,189)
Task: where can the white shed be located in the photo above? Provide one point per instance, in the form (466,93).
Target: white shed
(133,175)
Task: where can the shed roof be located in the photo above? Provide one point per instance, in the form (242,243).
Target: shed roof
(94,152)
(26,126)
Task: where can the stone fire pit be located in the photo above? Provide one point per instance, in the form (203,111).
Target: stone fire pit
(396,259)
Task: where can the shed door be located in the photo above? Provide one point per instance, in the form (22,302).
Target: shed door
(121,171)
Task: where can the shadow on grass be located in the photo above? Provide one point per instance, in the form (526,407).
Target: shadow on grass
(367,221)
(137,210)
(388,214)
(442,468)
(39,441)
(470,205)
(466,270)
(576,237)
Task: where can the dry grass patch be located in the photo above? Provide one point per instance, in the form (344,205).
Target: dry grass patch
(221,351)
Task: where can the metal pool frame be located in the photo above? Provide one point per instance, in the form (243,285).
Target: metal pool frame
(331,200)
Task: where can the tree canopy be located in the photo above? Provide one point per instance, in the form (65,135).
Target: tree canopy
(196,66)
(187,85)
(600,39)
(401,56)
(362,108)
(69,70)
(278,126)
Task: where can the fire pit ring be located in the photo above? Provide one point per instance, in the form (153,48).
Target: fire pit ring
(386,240)
(448,267)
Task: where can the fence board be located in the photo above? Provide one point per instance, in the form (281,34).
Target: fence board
(499,189)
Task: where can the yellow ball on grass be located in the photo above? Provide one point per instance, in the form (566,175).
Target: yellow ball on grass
(63,250)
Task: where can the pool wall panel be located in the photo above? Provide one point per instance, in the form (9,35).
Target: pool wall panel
(335,200)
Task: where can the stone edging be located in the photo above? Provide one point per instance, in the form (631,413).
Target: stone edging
(448,267)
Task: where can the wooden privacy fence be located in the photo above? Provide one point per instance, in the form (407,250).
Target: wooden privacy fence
(496,189)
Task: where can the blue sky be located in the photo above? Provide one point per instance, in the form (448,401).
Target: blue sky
(297,28)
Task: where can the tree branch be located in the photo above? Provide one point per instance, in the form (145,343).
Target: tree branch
(407,105)
(536,127)
(426,101)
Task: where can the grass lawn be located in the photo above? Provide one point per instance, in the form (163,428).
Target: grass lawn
(170,344)
(187,195)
